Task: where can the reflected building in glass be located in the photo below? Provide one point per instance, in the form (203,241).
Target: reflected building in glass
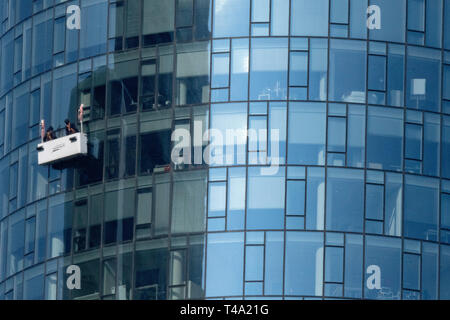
(362,181)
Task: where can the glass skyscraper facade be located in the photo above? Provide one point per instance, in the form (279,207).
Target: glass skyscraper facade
(357,208)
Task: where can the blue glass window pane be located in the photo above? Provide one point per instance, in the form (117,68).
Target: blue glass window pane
(345,200)
(296,173)
(280,18)
(295,197)
(295,223)
(430,270)
(64,80)
(254,263)
(239,69)
(431,144)
(260,10)
(298,73)
(7,65)
(2,131)
(304,264)
(444,273)
(378,48)
(273,272)
(336,134)
(355,139)
(385,138)
(336,159)
(416,38)
(309,18)
(220,70)
(339,11)
(386,254)
(318,68)
(334,239)
(34,283)
(374,227)
(23,9)
(230,116)
(421,208)
(93,28)
(396,66)
(217,174)
(296,93)
(446,93)
(433,36)
(393,203)
(253,288)
(413,141)
(231,18)
(358,19)
(59,227)
(377,73)
(3,248)
(339,31)
(277,122)
(348,74)
(221,45)
(423,79)
(260,30)
(216,224)
(315,201)
(20,115)
(59,35)
(374,201)
(300,44)
(411,271)
(353,266)
(416,15)
(236,198)
(225,260)
(258,108)
(42,41)
(333,290)
(265,204)
(447,25)
(219,95)
(445,211)
(334,264)
(268,81)
(216,199)
(393,21)
(307,133)
(445,147)
(16,243)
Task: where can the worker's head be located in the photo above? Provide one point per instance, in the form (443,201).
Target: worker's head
(67,122)
(50,129)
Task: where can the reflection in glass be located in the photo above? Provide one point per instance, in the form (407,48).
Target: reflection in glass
(265,204)
(309,17)
(225,261)
(386,254)
(231,18)
(268,81)
(384,138)
(307,133)
(423,83)
(421,208)
(304,263)
(348,74)
(345,200)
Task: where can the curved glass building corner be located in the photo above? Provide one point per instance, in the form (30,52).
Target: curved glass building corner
(315,160)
